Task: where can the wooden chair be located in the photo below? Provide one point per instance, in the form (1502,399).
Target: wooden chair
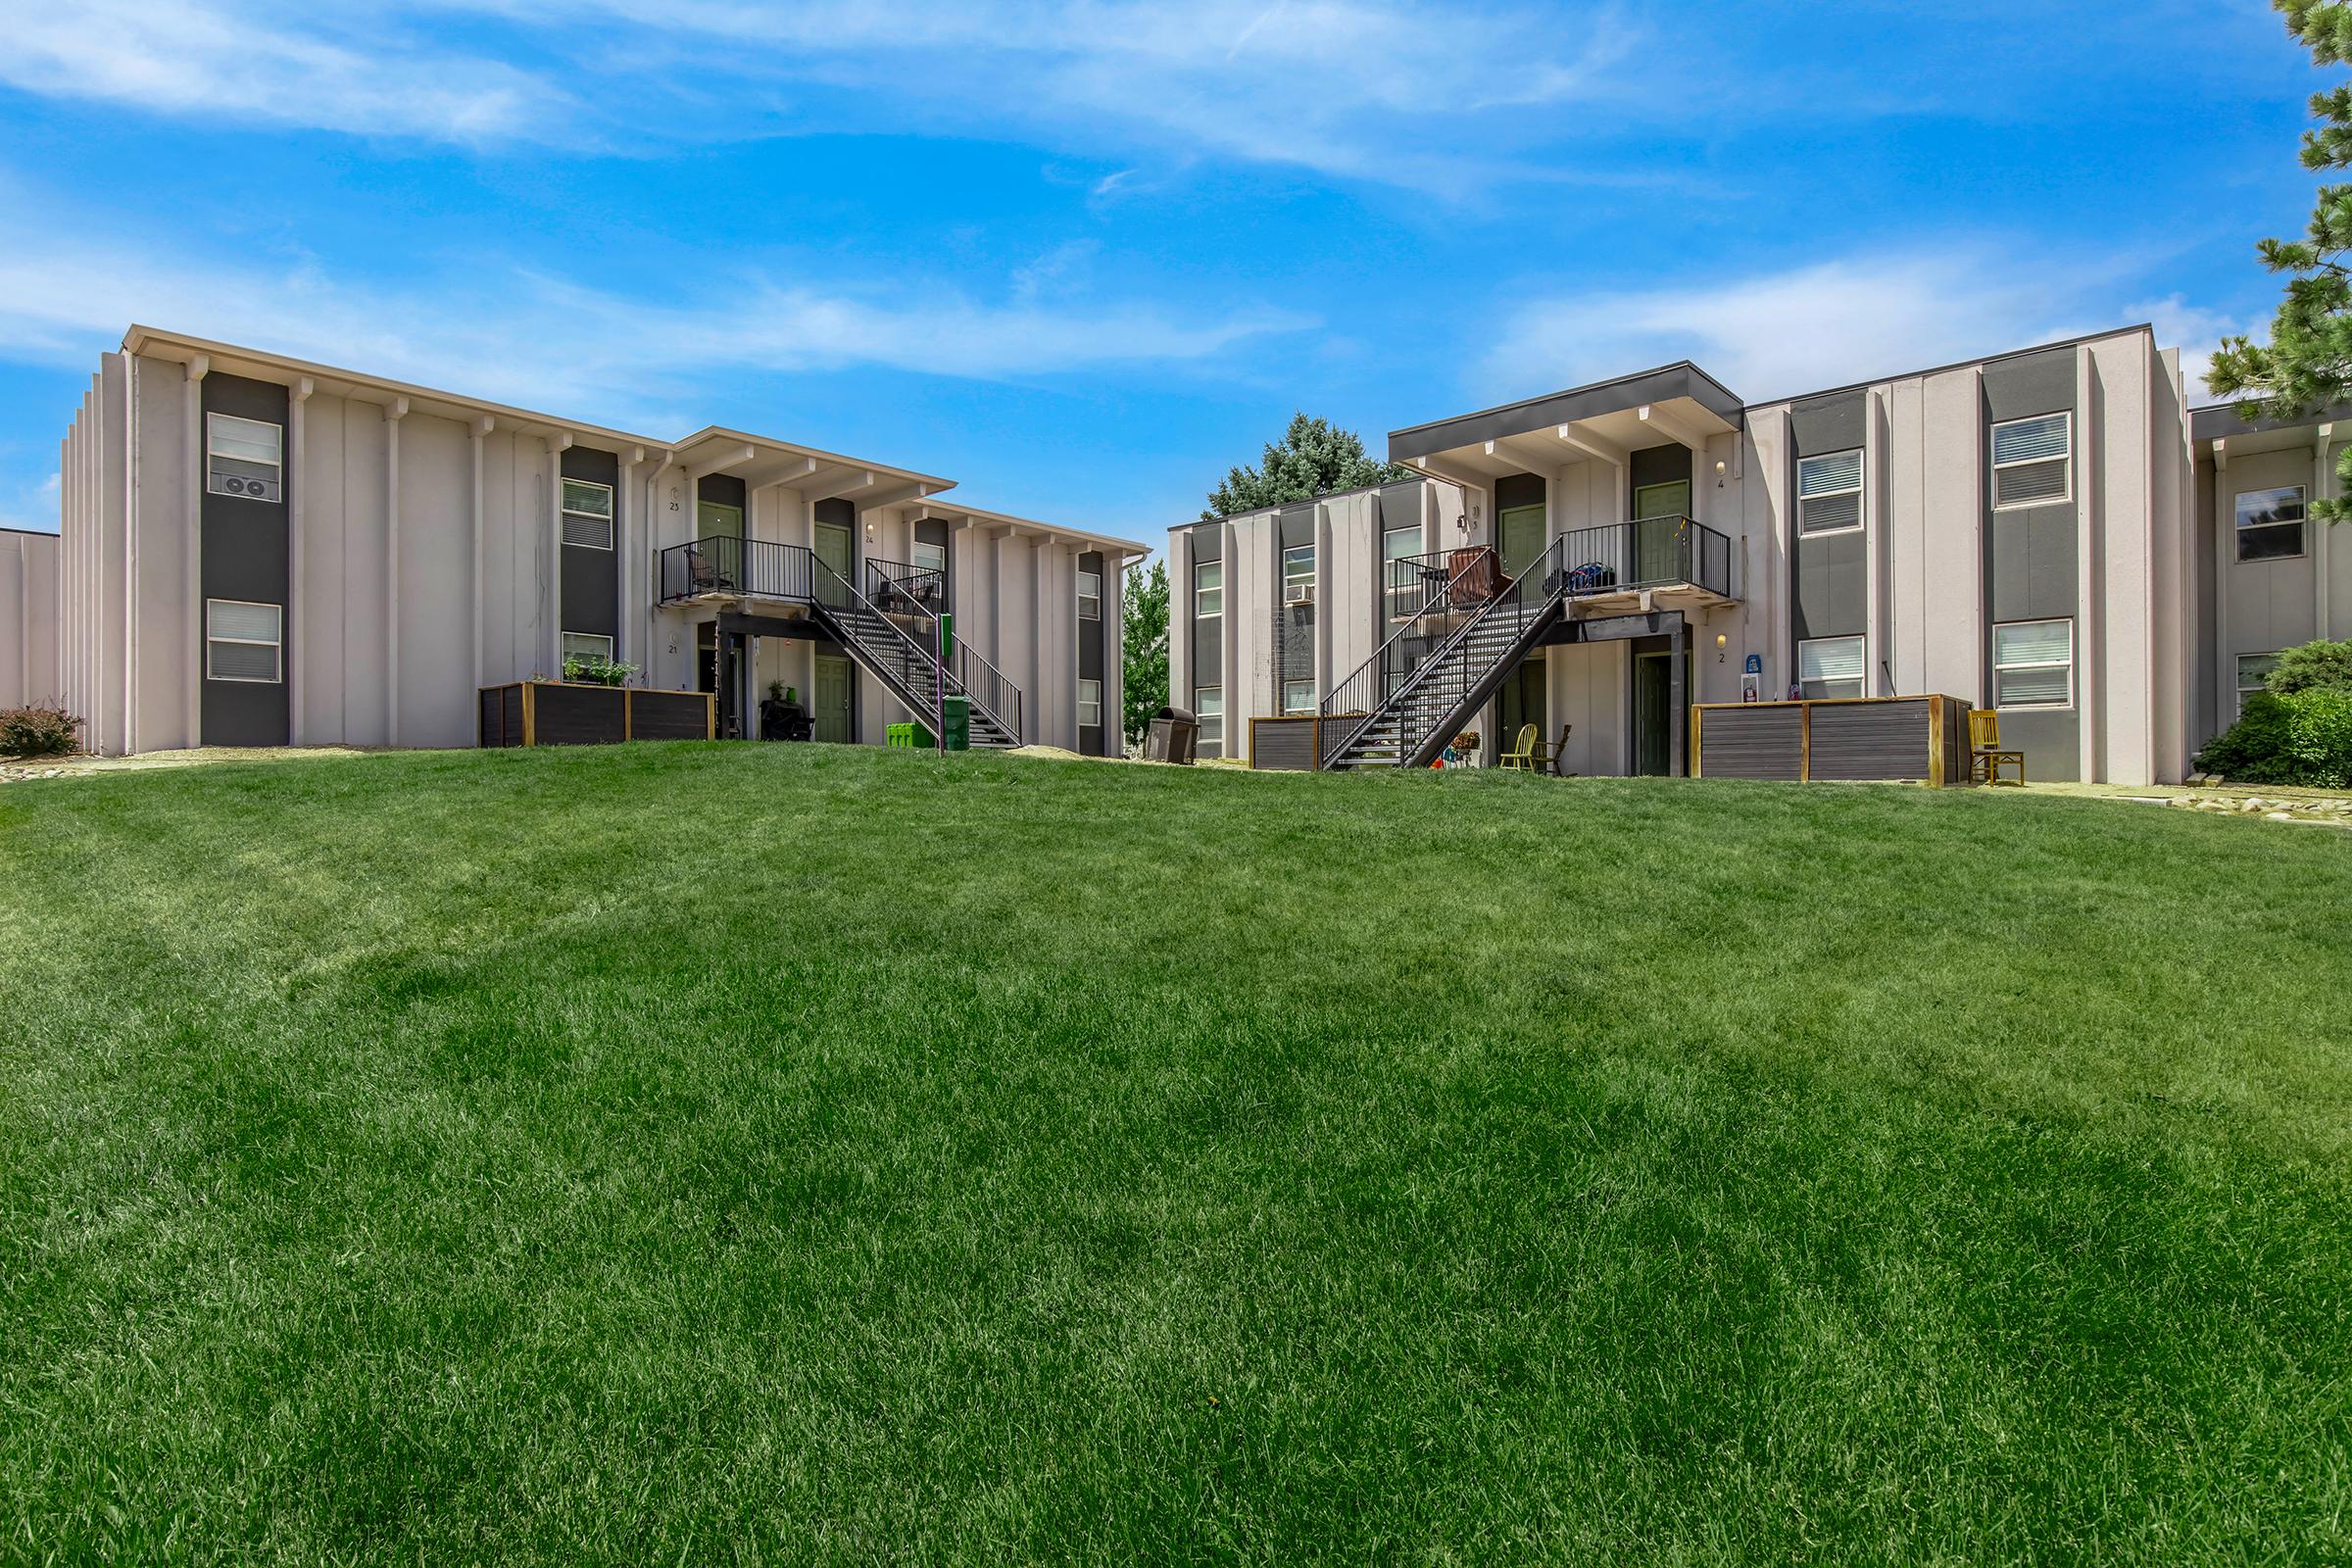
(1548,758)
(1985,756)
(1522,752)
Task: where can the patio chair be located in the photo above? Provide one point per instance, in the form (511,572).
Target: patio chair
(1986,756)
(1474,576)
(1548,758)
(1522,752)
(704,576)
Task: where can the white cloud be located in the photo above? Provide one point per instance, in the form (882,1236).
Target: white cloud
(1396,90)
(219,60)
(32,505)
(1811,328)
(503,332)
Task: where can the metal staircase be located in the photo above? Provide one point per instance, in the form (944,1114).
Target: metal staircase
(1467,630)
(904,663)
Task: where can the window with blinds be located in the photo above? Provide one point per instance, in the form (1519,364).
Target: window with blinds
(588,514)
(2033,664)
(1089,703)
(2032,461)
(1209,706)
(1829,492)
(1089,596)
(586,645)
(244,458)
(243,640)
(1830,667)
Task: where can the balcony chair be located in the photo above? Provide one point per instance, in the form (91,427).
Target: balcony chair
(704,576)
(1474,577)
(1985,756)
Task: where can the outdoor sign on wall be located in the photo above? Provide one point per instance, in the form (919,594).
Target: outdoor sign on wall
(1751,679)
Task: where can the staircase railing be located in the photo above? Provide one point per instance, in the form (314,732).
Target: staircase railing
(1450,677)
(900,588)
(727,564)
(968,673)
(1448,593)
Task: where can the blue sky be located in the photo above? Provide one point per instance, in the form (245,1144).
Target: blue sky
(1083,257)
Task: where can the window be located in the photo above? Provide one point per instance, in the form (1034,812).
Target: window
(1828,493)
(2253,675)
(588,514)
(1209,706)
(1298,566)
(1398,576)
(2270,524)
(1299,697)
(1830,667)
(1209,589)
(243,640)
(929,557)
(1089,596)
(244,458)
(586,645)
(2033,664)
(1089,703)
(2031,465)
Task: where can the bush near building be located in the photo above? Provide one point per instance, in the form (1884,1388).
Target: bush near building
(39,731)
(2295,731)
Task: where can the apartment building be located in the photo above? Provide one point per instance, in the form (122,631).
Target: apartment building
(257,551)
(2051,533)
(28,606)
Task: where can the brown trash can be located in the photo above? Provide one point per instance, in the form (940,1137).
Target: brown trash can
(1172,737)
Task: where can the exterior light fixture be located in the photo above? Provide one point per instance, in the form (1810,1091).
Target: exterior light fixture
(1721,641)
(1720,467)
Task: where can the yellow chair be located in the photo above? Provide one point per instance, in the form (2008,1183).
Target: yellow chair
(1986,758)
(1522,753)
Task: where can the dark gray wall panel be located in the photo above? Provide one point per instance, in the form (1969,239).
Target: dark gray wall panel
(2051,739)
(1829,424)
(726,490)
(1295,524)
(1832,589)
(1664,464)
(1518,490)
(2028,384)
(591,577)
(1093,639)
(244,555)
(1209,644)
(2032,562)
(1208,542)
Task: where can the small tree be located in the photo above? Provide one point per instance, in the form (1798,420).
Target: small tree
(1312,459)
(2307,365)
(1143,670)
(2312,667)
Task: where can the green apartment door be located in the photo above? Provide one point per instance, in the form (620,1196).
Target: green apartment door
(1522,535)
(1658,510)
(829,715)
(832,544)
(714,521)
(1654,713)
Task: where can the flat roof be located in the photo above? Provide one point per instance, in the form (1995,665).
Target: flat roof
(1681,379)
(2218,421)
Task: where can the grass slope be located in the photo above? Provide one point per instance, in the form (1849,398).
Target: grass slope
(785,1154)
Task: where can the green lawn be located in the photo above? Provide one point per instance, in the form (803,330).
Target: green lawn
(782,1154)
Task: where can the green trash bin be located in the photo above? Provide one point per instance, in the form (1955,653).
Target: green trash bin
(956,717)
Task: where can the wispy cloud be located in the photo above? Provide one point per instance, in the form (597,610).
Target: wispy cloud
(505,332)
(1394,90)
(30,506)
(224,61)
(1792,331)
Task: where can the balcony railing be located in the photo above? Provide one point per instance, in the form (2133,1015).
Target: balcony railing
(1647,552)
(898,588)
(724,564)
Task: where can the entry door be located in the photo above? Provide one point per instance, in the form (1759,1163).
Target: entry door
(1522,536)
(830,715)
(1520,702)
(1658,509)
(832,546)
(1654,716)
(714,521)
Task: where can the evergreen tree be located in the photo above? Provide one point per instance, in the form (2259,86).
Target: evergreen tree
(2307,365)
(1312,459)
(1143,668)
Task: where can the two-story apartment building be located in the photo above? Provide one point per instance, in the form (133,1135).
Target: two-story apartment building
(257,551)
(2049,533)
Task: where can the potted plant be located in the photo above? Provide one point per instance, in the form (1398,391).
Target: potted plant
(585,669)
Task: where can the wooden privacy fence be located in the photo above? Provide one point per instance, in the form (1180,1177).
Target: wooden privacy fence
(1842,739)
(1290,744)
(551,713)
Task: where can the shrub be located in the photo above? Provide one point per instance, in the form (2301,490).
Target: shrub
(2319,735)
(39,730)
(2313,666)
(597,671)
(2250,749)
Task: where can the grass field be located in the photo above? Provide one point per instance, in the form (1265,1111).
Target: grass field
(765,1154)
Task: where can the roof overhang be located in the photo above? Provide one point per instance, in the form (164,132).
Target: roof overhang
(2220,426)
(760,462)
(1603,422)
(1003,526)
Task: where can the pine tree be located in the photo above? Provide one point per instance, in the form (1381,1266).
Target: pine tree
(1143,668)
(1312,459)
(2307,365)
